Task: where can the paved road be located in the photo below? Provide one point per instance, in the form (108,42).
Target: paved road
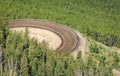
(70,41)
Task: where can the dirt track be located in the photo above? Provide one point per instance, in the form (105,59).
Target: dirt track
(70,40)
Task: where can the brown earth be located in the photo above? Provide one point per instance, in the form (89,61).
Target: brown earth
(70,40)
(53,40)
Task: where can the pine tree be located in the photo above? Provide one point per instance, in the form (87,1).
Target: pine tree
(24,65)
(80,62)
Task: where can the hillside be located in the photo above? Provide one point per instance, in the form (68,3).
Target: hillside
(97,19)
(96,22)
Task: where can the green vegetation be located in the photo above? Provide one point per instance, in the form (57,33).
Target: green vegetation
(22,56)
(98,19)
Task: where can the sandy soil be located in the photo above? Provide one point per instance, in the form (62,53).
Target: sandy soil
(51,38)
(70,41)
(83,47)
(116,72)
(54,40)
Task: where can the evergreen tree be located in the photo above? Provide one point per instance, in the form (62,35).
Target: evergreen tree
(24,65)
(80,62)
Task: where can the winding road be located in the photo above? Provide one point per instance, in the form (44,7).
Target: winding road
(70,40)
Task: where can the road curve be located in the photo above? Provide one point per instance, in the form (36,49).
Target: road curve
(70,40)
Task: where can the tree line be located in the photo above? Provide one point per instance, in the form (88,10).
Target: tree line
(96,19)
(21,56)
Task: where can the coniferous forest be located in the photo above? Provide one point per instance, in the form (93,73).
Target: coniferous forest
(96,19)
(21,56)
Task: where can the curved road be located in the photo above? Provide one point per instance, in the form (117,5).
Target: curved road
(70,40)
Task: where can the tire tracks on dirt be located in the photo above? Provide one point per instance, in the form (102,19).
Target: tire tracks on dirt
(70,40)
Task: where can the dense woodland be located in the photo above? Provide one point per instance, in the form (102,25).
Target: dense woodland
(97,19)
(22,56)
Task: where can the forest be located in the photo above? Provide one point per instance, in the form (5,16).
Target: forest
(96,19)
(22,56)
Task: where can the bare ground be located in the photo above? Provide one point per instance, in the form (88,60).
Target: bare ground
(83,46)
(70,40)
(51,38)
